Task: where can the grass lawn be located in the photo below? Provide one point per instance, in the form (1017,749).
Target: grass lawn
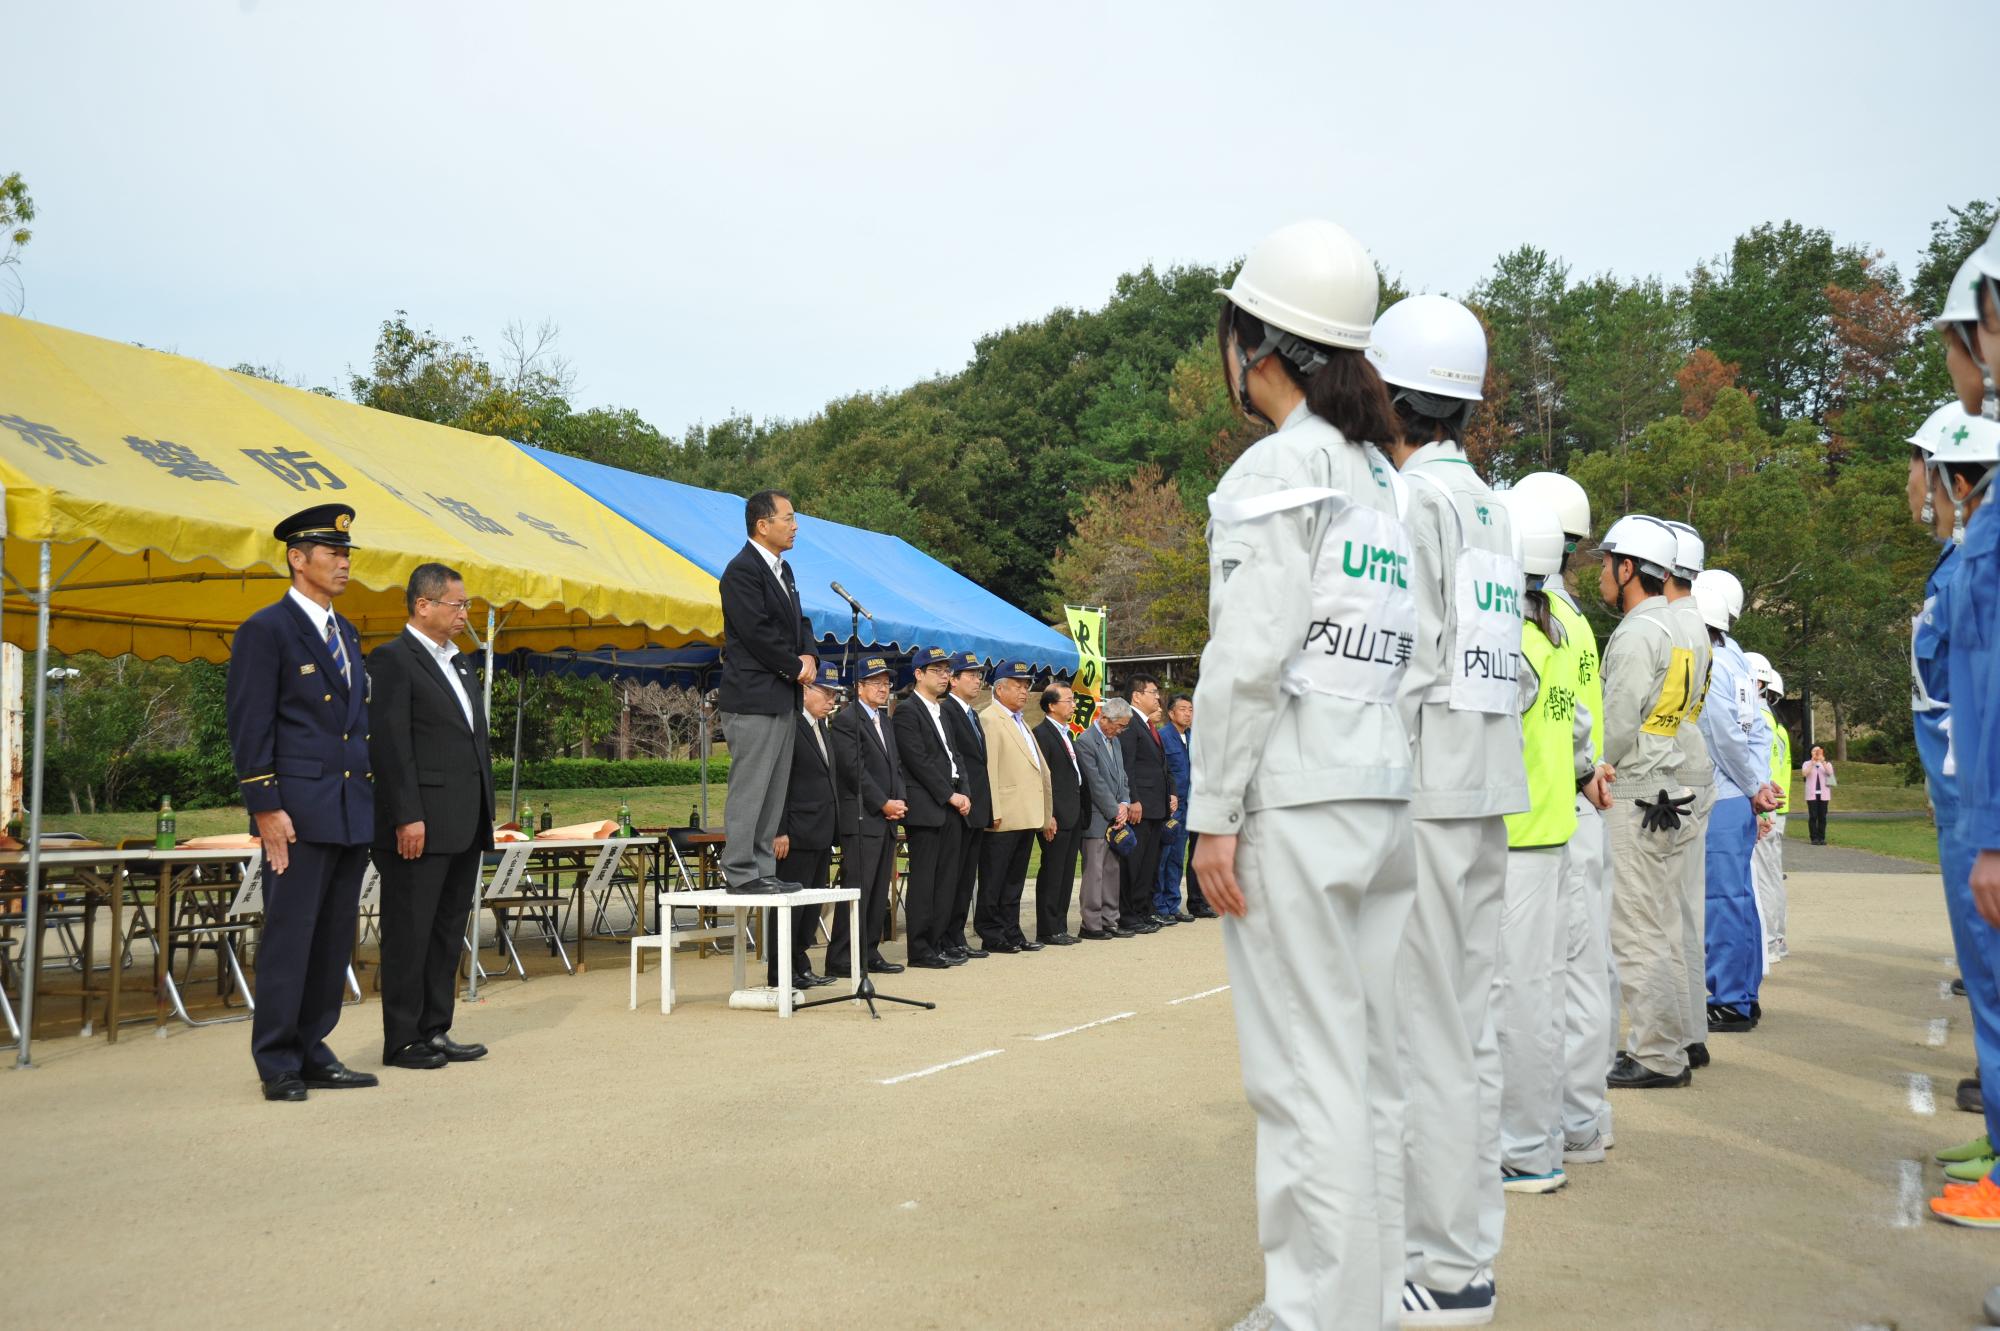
(1907,838)
(1867,787)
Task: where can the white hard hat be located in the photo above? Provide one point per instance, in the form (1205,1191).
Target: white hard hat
(1538,537)
(1938,423)
(1719,596)
(1560,495)
(1961,299)
(1312,280)
(1971,440)
(1760,665)
(1646,541)
(1431,344)
(1691,555)
(1776,683)
(1986,259)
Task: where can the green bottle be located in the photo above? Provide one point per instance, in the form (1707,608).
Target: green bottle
(527,818)
(548,815)
(624,817)
(163,825)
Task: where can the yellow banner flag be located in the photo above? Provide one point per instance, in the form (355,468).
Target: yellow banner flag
(1087,627)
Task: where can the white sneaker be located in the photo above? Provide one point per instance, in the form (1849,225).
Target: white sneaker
(1584,1150)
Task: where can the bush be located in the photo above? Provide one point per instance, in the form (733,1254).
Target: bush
(187,776)
(608,774)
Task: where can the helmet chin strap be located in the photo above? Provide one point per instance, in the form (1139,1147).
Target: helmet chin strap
(1989,401)
(1958,506)
(1246,362)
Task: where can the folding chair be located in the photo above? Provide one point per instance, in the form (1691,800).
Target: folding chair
(512,891)
(6,1006)
(241,918)
(609,879)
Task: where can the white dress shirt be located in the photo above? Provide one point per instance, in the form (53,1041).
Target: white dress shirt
(1034,749)
(444,655)
(320,615)
(937,719)
(818,738)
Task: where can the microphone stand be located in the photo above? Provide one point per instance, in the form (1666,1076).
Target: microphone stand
(867,992)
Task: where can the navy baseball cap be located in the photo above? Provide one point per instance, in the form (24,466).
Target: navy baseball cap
(828,677)
(871,667)
(964,661)
(1012,670)
(929,656)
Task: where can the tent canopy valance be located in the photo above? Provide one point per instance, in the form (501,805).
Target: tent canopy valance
(157,480)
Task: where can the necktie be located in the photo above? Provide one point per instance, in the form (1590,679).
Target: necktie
(1071,748)
(978,731)
(791,586)
(880,738)
(1156,736)
(333,645)
(819,733)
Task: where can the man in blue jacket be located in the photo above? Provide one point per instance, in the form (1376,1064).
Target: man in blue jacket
(298,734)
(1174,836)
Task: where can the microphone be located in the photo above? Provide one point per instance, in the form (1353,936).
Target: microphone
(848,597)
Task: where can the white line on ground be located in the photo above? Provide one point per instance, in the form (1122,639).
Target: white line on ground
(1101,1021)
(1940,1027)
(1921,1101)
(1909,1194)
(1206,993)
(955,1063)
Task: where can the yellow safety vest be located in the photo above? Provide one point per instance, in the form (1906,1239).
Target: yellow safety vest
(1545,745)
(1781,758)
(1578,638)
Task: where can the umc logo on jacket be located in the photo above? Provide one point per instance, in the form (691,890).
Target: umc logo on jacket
(1497,597)
(1374,563)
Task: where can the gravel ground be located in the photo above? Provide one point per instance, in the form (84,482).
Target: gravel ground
(725,1169)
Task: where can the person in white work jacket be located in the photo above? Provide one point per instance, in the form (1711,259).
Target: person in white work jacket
(1301,773)
(1461,699)
(1651,686)
(1739,744)
(1698,774)
(1590,984)
(1767,863)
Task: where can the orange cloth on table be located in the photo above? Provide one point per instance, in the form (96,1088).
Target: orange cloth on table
(580,832)
(221,841)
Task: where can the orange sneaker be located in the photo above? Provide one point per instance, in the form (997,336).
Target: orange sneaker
(1976,1205)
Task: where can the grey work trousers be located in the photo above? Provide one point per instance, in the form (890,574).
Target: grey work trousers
(1100,884)
(1445,983)
(1694,919)
(1327,889)
(760,767)
(1648,937)
(1590,1004)
(1528,1008)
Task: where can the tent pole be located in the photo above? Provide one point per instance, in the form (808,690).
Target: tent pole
(520,693)
(472,950)
(704,763)
(31,945)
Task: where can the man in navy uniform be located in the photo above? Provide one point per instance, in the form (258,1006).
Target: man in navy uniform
(934,783)
(872,805)
(298,732)
(804,843)
(968,745)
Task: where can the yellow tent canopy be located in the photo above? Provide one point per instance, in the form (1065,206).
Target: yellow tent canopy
(157,479)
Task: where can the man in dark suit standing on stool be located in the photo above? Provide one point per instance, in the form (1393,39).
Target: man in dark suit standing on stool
(434,794)
(968,680)
(935,782)
(1056,878)
(1146,773)
(298,735)
(872,806)
(812,818)
(768,656)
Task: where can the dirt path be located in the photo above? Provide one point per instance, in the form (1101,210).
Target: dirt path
(724,1169)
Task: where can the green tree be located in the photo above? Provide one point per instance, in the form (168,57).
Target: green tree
(1524,305)
(17,209)
(1620,345)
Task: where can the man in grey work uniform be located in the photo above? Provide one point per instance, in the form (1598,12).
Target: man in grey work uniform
(1650,685)
(1697,774)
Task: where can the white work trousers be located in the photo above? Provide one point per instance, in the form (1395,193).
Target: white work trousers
(1452,1050)
(1694,921)
(1767,865)
(1590,994)
(1528,1009)
(1327,889)
(1647,935)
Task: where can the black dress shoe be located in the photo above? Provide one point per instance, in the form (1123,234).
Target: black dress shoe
(1120,931)
(930,963)
(1144,927)
(759,887)
(1697,1055)
(285,1086)
(1958,986)
(879,966)
(1970,1097)
(1003,947)
(1182,917)
(970,953)
(334,1077)
(454,1052)
(1164,920)
(417,1056)
(952,958)
(1059,940)
(1028,945)
(1629,1074)
(1097,935)
(1725,1018)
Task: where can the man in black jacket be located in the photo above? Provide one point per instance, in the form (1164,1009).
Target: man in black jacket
(769,655)
(1056,878)
(1146,772)
(935,782)
(434,793)
(872,806)
(812,818)
(968,680)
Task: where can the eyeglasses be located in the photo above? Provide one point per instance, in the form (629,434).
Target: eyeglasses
(460,606)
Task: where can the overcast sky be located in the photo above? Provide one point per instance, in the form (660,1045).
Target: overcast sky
(760,207)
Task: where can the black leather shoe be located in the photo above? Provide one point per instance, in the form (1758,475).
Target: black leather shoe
(1165,921)
(1958,986)
(1182,917)
(285,1086)
(1120,931)
(970,953)
(1028,945)
(1629,1074)
(1970,1097)
(952,958)
(880,966)
(1003,948)
(1697,1055)
(1145,927)
(334,1077)
(931,964)
(1205,913)
(1723,1017)
(454,1052)
(1059,940)
(1097,935)
(416,1056)
(759,887)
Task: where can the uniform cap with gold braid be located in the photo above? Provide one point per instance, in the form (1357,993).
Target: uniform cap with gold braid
(325,524)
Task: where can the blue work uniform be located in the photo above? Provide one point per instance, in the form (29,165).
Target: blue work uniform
(1739,744)
(1174,838)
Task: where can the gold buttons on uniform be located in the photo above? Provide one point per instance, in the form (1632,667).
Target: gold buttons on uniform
(327,698)
(347,774)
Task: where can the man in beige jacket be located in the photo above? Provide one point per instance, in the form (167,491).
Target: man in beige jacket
(1023,807)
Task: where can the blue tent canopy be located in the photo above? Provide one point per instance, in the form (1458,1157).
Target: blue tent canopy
(915,600)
